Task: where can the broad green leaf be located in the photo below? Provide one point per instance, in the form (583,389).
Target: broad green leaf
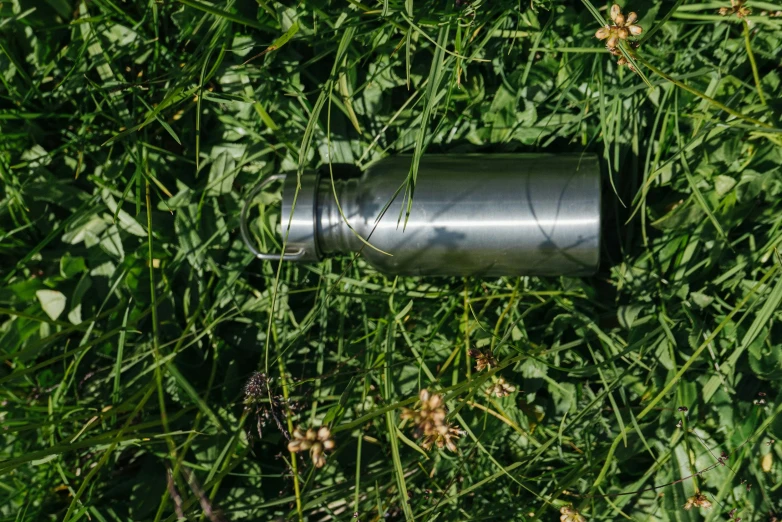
(70,265)
(74,316)
(125,221)
(37,156)
(189,234)
(87,229)
(221,175)
(723,184)
(52,302)
(111,243)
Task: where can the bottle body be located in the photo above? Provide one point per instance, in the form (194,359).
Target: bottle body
(471,214)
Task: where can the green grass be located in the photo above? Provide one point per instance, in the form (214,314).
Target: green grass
(131,315)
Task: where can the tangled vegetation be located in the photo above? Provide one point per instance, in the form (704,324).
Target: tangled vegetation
(153,370)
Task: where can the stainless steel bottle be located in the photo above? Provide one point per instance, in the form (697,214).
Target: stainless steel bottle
(472,214)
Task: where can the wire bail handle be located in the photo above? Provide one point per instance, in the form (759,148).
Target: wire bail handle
(283,256)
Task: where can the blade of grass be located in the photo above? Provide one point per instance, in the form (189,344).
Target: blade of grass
(699,94)
(674,381)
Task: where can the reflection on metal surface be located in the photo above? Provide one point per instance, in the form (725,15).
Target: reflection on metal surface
(496,223)
(486,215)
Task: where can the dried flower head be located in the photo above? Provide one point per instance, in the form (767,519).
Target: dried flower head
(429,415)
(315,441)
(429,421)
(622,29)
(697,500)
(500,388)
(442,436)
(570,514)
(483,360)
(623,61)
(259,399)
(737,8)
(256,388)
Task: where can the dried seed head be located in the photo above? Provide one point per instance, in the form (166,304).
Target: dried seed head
(737,8)
(260,400)
(766,462)
(570,514)
(428,420)
(603,33)
(315,441)
(698,500)
(683,409)
(429,414)
(443,436)
(500,388)
(256,388)
(625,22)
(623,62)
(615,12)
(623,27)
(301,441)
(483,360)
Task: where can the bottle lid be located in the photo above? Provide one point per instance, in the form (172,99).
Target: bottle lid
(298,220)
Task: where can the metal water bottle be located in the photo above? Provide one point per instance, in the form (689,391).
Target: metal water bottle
(471,214)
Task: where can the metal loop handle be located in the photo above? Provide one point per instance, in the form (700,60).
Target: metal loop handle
(292,256)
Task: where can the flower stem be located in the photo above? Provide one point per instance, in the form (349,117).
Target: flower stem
(752,62)
(701,95)
(294,463)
